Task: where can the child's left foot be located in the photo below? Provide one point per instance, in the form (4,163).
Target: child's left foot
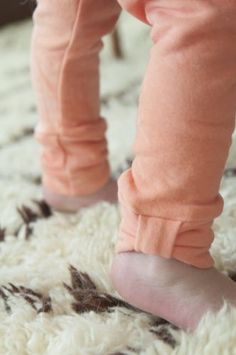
(168,288)
(63,203)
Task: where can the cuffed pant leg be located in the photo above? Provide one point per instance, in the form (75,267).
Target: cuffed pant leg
(170,195)
(66,42)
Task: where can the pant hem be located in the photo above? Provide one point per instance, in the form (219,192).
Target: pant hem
(188,242)
(85,183)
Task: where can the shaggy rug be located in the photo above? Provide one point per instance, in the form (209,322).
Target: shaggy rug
(55,294)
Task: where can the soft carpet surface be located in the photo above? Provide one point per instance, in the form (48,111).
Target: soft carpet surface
(55,294)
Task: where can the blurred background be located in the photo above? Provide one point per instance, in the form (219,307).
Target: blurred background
(15,10)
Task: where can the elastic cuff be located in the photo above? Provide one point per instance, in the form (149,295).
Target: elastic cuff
(74,161)
(88,181)
(188,242)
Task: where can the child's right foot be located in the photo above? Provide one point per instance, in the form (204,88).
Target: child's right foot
(170,289)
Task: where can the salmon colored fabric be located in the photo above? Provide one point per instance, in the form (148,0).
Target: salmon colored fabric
(170,196)
(66,42)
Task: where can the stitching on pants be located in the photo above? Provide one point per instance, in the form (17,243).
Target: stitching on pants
(58,89)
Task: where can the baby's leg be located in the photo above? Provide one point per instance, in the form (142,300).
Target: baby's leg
(170,196)
(66,42)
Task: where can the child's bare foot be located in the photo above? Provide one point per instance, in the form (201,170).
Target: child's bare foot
(172,290)
(72,204)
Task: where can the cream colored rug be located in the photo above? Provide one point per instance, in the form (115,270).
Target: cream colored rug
(55,294)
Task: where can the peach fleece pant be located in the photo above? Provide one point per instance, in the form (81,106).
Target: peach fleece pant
(170,195)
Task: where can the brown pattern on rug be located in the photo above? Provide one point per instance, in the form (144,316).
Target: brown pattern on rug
(29,216)
(36,300)
(230,172)
(19,136)
(86,298)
